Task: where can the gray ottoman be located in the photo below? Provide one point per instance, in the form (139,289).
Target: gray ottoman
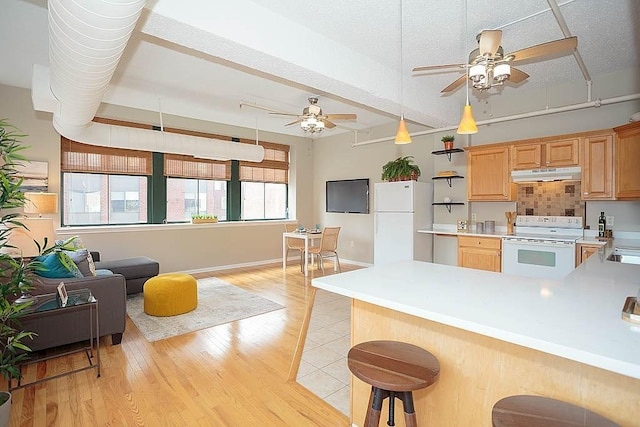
(135,270)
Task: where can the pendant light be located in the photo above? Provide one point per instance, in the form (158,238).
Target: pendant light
(402,136)
(467,123)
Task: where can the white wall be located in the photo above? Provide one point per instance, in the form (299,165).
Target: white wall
(176,247)
(335,158)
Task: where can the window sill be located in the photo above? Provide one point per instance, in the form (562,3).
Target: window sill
(73,230)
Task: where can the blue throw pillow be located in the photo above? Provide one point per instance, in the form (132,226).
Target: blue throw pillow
(58,265)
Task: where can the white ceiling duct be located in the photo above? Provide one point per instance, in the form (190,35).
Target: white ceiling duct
(86,42)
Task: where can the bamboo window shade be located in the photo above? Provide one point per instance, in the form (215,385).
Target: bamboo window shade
(77,157)
(181,166)
(274,168)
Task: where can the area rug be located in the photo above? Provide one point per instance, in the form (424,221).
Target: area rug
(219,302)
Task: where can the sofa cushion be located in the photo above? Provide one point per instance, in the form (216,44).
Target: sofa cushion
(58,265)
(131,268)
(81,258)
(74,244)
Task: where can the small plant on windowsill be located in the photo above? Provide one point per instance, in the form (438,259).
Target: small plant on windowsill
(204,219)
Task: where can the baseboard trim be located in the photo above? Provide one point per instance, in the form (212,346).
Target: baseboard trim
(264,262)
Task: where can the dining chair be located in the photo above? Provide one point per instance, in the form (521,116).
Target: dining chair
(294,244)
(328,247)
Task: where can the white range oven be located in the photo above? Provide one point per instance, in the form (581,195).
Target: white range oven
(542,246)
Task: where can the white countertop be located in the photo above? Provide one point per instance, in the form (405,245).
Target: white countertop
(578,318)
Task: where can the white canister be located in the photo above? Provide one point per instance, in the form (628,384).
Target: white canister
(490,227)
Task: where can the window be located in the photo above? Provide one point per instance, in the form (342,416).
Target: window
(187,197)
(195,187)
(101,185)
(264,184)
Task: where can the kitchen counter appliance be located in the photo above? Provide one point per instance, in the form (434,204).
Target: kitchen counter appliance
(542,246)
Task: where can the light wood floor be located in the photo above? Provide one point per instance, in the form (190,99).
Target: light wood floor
(229,375)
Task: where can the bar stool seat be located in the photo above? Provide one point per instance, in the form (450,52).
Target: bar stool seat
(538,411)
(393,369)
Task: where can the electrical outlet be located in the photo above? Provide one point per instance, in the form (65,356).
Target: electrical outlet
(474,216)
(609,221)
(351,243)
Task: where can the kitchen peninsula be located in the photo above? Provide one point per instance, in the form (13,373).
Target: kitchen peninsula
(497,335)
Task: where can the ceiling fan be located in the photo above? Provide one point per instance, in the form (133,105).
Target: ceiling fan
(489,66)
(312,120)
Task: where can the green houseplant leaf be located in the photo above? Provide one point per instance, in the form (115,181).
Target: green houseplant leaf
(400,169)
(15,272)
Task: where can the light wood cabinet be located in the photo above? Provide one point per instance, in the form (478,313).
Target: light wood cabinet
(489,175)
(596,158)
(627,154)
(540,154)
(482,253)
(584,251)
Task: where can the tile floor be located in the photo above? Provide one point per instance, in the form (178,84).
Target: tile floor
(323,368)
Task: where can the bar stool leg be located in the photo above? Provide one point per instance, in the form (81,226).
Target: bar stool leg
(409,411)
(375,407)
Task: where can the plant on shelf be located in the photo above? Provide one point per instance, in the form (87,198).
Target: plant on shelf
(400,169)
(16,272)
(203,219)
(448,141)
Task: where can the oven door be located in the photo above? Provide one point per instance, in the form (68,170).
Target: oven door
(537,259)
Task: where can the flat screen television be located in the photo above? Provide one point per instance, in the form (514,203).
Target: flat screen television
(348,196)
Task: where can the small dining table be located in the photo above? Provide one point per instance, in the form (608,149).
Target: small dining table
(306,236)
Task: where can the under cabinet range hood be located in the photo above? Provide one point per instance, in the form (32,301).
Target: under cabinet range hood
(547,174)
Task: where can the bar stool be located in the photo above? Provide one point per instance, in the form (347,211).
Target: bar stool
(532,411)
(393,369)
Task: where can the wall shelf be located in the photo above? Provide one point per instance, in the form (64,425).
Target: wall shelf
(448,152)
(447,205)
(449,178)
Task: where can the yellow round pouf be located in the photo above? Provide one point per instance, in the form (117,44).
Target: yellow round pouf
(170,294)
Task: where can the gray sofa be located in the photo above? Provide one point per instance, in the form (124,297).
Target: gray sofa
(63,327)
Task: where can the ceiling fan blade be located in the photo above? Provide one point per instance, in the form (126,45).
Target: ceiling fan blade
(456,84)
(517,76)
(285,114)
(328,124)
(293,123)
(548,48)
(438,67)
(341,116)
(489,42)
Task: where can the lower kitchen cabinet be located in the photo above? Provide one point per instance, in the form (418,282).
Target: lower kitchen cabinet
(584,251)
(482,253)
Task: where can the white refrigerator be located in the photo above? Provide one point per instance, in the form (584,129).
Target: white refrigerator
(400,210)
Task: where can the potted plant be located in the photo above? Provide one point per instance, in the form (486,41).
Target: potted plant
(400,169)
(448,141)
(15,272)
(203,219)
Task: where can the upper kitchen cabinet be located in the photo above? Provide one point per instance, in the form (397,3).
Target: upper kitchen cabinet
(489,175)
(627,152)
(544,153)
(596,158)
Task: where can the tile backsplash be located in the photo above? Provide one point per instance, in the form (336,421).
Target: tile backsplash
(560,198)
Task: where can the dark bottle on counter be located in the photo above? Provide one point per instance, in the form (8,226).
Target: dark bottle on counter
(602,224)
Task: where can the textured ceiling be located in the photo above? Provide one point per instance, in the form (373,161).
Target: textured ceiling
(202,59)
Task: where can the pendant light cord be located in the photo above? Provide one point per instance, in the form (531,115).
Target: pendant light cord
(401,66)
